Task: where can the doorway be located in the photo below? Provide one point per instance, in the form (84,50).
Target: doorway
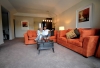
(5,23)
(48,23)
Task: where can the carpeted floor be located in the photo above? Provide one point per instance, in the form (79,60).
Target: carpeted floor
(15,54)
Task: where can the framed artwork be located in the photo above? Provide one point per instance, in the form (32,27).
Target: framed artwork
(84,16)
(25,25)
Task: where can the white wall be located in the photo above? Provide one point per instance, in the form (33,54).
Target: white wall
(86,24)
(11,26)
(33,24)
(18,30)
(1,32)
(37,20)
(68,17)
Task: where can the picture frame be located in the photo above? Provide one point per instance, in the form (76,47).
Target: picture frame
(84,16)
(24,25)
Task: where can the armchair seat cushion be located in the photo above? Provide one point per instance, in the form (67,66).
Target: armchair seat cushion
(75,42)
(52,37)
(31,38)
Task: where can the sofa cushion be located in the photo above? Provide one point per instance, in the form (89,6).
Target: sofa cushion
(31,38)
(63,39)
(30,33)
(71,34)
(63,33)
(34,33)
(75,42)
(85,33)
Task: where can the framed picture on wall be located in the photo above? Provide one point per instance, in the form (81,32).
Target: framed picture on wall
(84,16)
(25,25)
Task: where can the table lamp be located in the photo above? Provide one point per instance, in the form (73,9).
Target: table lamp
(61,28)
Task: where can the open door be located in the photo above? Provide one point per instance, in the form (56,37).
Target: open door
(5,23)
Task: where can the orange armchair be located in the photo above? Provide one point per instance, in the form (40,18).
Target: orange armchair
(29,37)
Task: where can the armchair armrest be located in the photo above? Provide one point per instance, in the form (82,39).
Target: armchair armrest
(89,45)
(26,38)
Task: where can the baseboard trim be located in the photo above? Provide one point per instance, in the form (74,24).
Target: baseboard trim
(1,43)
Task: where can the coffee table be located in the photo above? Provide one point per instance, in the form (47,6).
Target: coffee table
(42,45)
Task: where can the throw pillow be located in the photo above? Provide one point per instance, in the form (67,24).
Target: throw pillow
(71,34)
(76,31)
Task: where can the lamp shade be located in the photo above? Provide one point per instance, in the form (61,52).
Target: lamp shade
(61,28)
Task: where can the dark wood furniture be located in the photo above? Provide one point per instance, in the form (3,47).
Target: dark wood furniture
(48,23)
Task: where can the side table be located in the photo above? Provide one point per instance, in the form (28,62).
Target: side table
(98,52)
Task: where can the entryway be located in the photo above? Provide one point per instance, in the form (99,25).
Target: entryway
(5,23)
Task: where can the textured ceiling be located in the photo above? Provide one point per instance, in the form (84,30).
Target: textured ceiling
(51,7)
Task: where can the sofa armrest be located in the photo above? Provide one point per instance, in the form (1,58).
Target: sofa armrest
(26,38)
(58,34)
(62,33)
(89,45)
(55,33)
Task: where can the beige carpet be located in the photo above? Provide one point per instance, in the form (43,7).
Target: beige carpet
(15,54)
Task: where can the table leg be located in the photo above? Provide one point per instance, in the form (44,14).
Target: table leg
(38,51)
(53,49)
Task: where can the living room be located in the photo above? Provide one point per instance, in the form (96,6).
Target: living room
(62,16)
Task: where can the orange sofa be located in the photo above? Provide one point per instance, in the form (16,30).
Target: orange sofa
(30,35)
(85,44)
